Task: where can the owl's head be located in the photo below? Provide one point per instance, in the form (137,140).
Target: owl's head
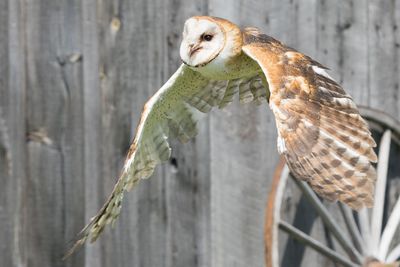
(207,38)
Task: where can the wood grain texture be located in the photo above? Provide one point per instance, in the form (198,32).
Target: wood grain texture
(74,78)
(14,184)
(54,134)
(239,184)
(5,149)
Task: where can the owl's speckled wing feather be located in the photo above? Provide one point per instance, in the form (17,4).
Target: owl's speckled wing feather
(172,112)
(320,131)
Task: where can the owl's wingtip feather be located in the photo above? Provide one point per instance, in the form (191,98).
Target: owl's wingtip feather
(72,250)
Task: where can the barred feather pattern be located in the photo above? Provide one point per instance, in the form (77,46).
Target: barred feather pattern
(150,146)
(328,143)
(320,132)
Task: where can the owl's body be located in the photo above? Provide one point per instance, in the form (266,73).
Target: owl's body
(320,132)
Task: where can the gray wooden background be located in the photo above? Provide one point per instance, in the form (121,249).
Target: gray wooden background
(74,76)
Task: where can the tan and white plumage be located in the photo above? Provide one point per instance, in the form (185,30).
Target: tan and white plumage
(320,132)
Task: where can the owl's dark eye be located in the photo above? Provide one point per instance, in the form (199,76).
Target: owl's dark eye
(207,37)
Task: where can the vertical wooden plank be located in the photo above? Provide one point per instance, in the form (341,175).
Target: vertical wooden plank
(188,181)
(5,209)
(396,24)
(92,100)
(53,191)
(113,105)
(5,176)
(382,62)
(10,34)
(13,106)
(129,73)
(343,45)
(4,16)
(69,54)
(243,156)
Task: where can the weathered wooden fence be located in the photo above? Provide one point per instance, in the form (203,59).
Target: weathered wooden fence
(73,78)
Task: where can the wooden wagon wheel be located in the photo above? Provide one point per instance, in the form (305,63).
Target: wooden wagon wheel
(363,238)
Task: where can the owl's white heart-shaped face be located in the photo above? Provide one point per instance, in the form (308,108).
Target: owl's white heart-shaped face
(202,42)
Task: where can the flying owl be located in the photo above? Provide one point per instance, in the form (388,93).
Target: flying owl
(320,131)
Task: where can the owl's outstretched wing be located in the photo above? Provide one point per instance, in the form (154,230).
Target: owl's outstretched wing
(320,131)
(172,112)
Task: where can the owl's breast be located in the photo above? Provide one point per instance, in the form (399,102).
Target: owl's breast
(228,68)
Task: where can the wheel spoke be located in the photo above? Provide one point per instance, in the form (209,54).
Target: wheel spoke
(318,246)
(329,221)
(394,254)
(363,218)
(390,229)
(352,227)
(380,188)
(365,234)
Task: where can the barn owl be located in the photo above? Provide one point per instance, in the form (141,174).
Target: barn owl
(320,131)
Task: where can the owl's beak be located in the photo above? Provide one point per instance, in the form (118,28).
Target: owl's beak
(193,49)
